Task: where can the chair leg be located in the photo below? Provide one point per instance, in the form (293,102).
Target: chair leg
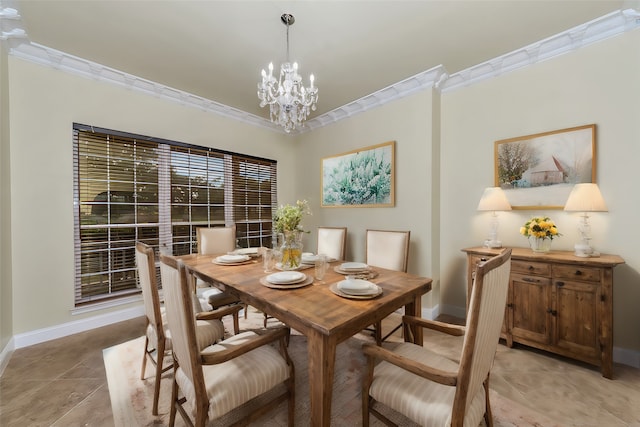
(144,358)
(366,384)
(174,396)
(246,311)
(236,323)
(488,416)
(292,402)
(159,363)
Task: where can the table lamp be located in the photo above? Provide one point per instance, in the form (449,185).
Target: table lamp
(585,198)
(493,199)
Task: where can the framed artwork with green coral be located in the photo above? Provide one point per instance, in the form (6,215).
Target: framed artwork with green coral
(360,178)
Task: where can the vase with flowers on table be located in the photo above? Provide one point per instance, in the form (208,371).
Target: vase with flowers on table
(288,228)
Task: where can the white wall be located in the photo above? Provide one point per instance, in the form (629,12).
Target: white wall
(44,104)
(409,122)
(6,324)
(597,84)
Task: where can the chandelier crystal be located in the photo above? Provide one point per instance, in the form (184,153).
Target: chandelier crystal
(289,101)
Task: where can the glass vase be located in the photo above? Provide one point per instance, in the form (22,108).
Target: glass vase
(539,245)
(291,250)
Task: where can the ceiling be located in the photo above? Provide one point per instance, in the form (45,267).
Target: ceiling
(216,49)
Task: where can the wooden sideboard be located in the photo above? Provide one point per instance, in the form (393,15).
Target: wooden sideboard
(558,302)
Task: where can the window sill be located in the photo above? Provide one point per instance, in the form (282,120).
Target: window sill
(106,304)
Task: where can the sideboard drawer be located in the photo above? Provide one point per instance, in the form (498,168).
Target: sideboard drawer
(576,272)
(527,267)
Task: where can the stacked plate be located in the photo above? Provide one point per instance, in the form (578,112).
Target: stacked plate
(286,278)
(352,268)
(358,287)
(231,259)
(252,252)
(309,258)
(355,267)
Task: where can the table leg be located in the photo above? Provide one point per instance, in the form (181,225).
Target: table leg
(322,359)
(414,309)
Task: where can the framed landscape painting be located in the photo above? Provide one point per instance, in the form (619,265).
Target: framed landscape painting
(538,171)
(359,178)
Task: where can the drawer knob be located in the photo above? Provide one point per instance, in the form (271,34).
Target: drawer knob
(559,284)
(578,273)
(531,268)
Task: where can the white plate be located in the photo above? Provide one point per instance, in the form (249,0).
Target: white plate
(286,277)
(232,258)
(309,258)
(353,266)
(357,287)
(246,251)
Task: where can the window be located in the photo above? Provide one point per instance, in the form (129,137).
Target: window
(132,188)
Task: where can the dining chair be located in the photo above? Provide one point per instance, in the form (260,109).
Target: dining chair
(217,241)
(387,249)
(228,378)
(431,389)
(158,342)
(332,241)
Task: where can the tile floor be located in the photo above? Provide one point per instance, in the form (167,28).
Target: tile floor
(63,383)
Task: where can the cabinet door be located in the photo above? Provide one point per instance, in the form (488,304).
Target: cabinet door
(577,318)
(531,308)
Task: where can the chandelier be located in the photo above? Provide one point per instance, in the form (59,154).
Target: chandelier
(289,101)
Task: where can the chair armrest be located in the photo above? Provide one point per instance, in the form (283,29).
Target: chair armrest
(447,328)
(218,313)
(425,371)
(215,357)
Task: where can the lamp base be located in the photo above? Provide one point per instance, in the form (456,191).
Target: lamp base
(585,251)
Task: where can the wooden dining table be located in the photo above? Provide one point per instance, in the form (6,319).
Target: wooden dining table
(326,319)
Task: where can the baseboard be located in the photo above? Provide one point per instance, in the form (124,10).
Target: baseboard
(431,313)
(627,357)
(70,328)
(620,355)
(453,310)
(5,355)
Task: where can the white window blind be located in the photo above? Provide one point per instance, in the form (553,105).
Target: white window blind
(132,188)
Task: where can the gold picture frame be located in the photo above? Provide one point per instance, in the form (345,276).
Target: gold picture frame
(362,178)
(538,171)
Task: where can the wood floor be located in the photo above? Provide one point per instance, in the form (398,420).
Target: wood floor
(63,383)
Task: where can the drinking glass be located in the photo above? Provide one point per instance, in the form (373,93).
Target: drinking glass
(268,260)
(320,267)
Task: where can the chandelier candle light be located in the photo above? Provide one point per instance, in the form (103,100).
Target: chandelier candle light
(289,101)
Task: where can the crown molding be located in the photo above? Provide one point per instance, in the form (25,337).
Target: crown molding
(431,78)
(599,29)
(612,24)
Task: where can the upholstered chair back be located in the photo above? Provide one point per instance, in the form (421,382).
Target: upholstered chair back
(145,261)
(484,322)
(216,240)
(332,241)
(388,249)
(179,312)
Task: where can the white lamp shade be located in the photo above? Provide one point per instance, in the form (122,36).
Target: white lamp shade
(585,197)
(494,199)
